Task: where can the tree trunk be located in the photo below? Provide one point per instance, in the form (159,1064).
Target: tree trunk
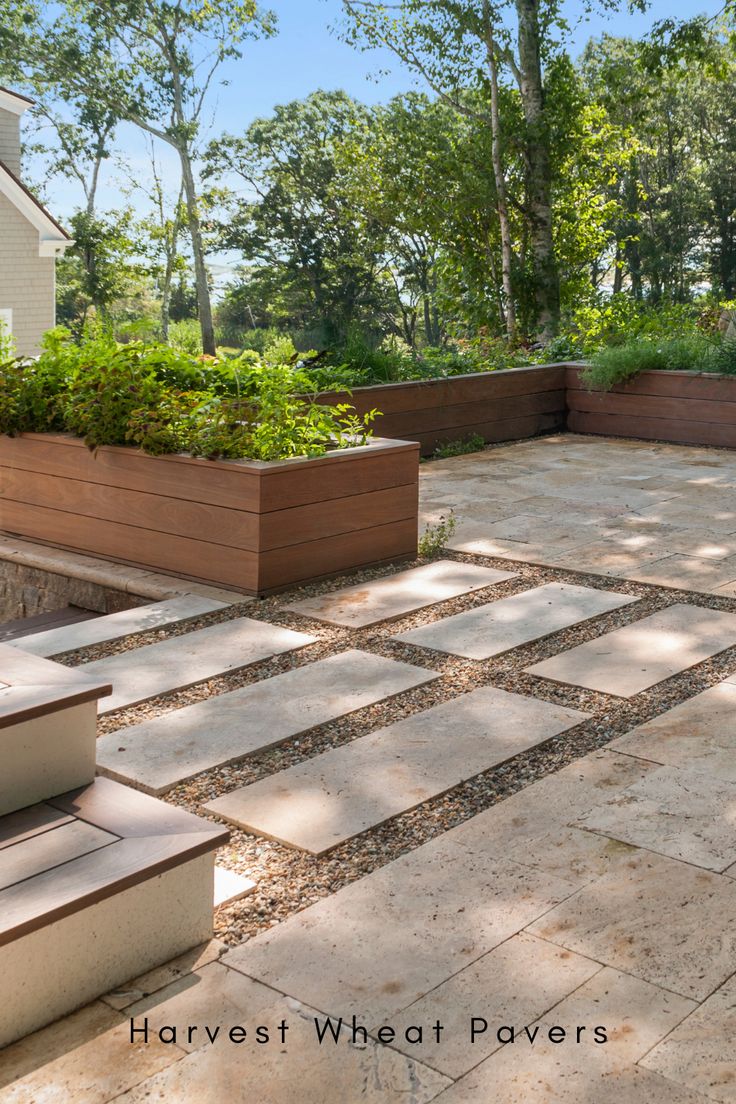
(500,181)
(171,254)
(546,275)
(204,303)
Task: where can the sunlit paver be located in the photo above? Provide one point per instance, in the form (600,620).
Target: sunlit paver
(637,656)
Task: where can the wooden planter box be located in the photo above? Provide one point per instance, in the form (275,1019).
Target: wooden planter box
(255,526)
(686,408)
(498,406)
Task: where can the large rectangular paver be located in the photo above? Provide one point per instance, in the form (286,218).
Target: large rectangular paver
(662,920)
(638,656)
(673,811)
(381,943)
(181,661)
(158,754)
(99,630)
(392,597)
(505,624)
(699,734)
(332,797)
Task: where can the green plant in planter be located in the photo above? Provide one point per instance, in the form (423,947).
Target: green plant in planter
(164,400)
(618,363)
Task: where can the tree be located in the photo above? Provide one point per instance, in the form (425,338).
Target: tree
(294,215)
(151,61)
(161,232)
(454,44)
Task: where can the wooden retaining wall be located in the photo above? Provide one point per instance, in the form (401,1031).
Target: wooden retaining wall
(682,407)
(256,526)
(497,406)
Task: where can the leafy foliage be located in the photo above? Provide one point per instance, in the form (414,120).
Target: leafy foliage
(435,537)
(695,352)
(466,445)
(164,400)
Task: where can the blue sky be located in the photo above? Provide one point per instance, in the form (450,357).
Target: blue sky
(307,54)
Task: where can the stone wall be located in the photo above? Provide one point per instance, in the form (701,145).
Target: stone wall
(27,591)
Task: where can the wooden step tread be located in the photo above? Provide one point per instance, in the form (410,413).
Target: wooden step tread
(135,838)
(32,687)
(42,622)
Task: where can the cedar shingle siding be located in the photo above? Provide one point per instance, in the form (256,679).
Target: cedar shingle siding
(10,141)
(27,281)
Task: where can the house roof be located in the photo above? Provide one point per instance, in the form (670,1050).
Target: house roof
(13,101)
(51,235)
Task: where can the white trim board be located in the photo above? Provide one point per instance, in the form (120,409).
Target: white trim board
(14,102)
(52,239)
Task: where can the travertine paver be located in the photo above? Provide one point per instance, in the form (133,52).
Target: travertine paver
(686,572)
(392,597)
(515,825)
(590,484)
(183,660)
(637,656)
(158,754)
(98,630)
(498,626)
(325,800)
(296,1069)
(673,811)
(531,527)
(636,1015)
(513,984)
(160,976)
(231,886)
(662,920)
(605,557)
(549,1075)
(699,734)
(700,1052)
(379,944)
(86,1057)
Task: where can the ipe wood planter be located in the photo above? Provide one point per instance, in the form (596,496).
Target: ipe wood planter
(686,408)
(258,526)
(498,406)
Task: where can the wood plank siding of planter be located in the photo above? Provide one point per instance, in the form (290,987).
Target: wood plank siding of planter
(682,407)
(497,406)
(255,526)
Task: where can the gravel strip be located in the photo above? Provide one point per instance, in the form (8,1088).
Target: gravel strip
(289,880)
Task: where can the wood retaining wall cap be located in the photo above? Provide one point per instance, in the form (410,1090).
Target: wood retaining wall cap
(32,687)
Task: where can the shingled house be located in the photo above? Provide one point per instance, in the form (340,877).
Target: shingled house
(30,240)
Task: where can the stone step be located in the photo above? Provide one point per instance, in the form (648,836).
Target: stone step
(328,799)
(23,627)
(182,661)
(499,626)
(48,721)
(633,658)
(100,630)
(396,595)
(118,884)
(159,754)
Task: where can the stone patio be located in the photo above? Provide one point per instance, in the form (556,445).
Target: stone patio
(504,784)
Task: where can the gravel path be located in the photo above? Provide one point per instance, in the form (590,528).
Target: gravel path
(288,880)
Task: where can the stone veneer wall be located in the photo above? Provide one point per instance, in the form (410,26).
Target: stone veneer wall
(27,591)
